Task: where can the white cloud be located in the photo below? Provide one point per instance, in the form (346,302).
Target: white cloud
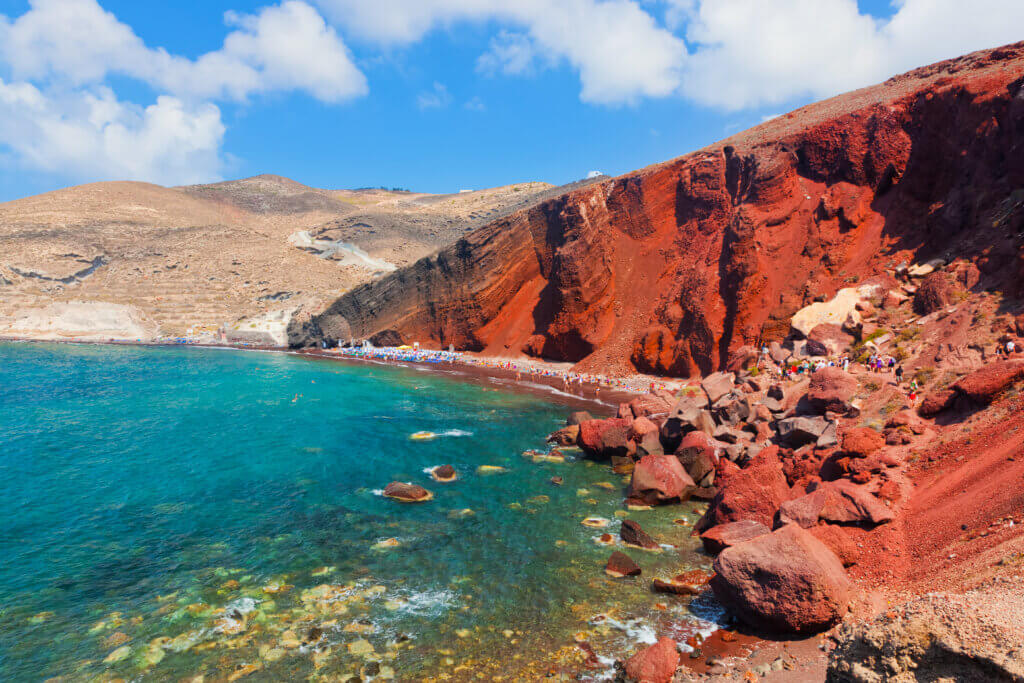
(510,53)
(619,50)
(59,116)
(747,53)
(437,98)
(96,136)
(475,104)
(284,47)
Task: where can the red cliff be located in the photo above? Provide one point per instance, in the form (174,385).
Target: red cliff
(671,268)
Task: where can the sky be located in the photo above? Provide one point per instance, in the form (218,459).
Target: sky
(432,95)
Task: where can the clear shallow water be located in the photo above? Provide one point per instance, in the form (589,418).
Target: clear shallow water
(172,512)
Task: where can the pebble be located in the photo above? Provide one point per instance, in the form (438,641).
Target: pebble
(118,655)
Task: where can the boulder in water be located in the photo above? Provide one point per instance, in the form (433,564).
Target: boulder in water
(407,493)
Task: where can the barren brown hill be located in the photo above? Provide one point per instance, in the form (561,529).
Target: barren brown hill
(672,268)
(127,259)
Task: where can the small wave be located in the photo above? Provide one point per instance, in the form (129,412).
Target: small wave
(456,432)
(636,629)
(377,492)
(242,605)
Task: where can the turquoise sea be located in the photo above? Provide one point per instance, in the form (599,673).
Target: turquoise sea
(171,513)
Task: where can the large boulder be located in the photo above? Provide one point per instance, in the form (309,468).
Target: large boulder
(566,436)
(649,405)
(742,358)
(839,501)
(831,389)
(936,402)
(407,493)
(655,664)
(838,542)
(660,479)
(799,431)
(718,538)
(697,455)
(831,338)
(938,637)
(860,442)
(606,438)
(784,582)
(578,417)
(985,384)
(937,291)
(753,493)
(718,384)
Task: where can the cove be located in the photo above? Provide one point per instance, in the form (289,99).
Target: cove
(174,512)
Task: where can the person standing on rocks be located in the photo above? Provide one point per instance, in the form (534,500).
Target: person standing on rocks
(899,375)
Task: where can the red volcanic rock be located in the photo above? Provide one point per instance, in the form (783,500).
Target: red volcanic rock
(444,473)
(832,338)
(985,384)
(649,404)
(718,385)
(786,581)
(632,534)
(906,418)
(620,565)
(566,436)
(696,453)
(655,664)
(644,434)
(674,267)
(861,442)
(660,479)
(838,542)
(658,352)
(605,438)
(938,290)
(718,538)
(742,358)
(1019,324)
(835,501)
(579,417)
(754,493)
(407,493)
(935,402)
(831,389)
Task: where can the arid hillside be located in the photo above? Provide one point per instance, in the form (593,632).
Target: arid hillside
(130,260)
(673,268)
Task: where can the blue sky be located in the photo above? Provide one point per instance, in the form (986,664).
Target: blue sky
(431,95)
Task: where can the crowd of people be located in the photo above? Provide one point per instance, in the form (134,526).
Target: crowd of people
(794,369)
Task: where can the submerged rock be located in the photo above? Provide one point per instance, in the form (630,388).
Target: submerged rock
(407,493)
(632,534)
(620,565)
(444,473)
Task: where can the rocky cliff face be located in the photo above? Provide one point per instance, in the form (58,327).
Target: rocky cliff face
(672,268)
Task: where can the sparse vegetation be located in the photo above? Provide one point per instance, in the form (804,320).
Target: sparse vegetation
(908,333)
(924,375)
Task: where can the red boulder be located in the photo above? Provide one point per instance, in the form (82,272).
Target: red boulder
(660,479)
(605,438)
(985,384)
(831,389)
(786,581)
(656,664)
(754,492)
(718,538)
(861,442)
(620,565)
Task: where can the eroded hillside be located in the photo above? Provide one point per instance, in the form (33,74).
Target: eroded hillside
(672,268)
(154,261)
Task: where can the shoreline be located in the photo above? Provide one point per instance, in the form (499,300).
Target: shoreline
(540,385)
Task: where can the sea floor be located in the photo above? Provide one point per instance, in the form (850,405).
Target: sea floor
(175,513)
